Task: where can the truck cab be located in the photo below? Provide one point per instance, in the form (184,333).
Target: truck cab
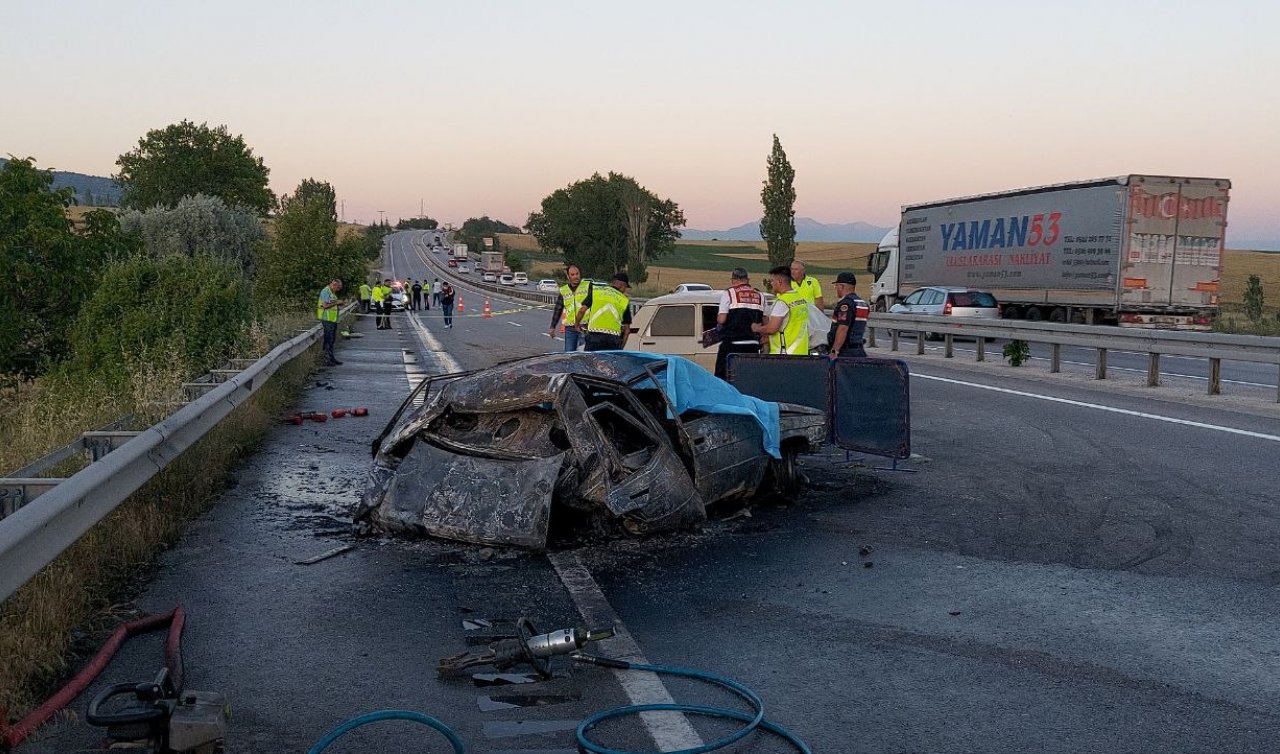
(883,266)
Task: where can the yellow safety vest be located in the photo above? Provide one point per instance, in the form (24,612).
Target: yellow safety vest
(793,338)
(607,307)
(323,314)
(573,301)
(379,293)
(810,287)
(365,291)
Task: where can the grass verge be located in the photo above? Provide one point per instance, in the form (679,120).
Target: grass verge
(76,595)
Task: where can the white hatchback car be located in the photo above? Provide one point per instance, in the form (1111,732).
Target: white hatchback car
(691,287)
(506,280)
(489,277)
(547,285)
(521,278)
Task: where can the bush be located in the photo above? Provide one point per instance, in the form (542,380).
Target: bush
(1017,352)
(197,225)
(1253,299)
(196,309)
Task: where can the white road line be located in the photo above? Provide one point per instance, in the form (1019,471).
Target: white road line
(433,346)
(514,324)
(1099,407)
(670,731)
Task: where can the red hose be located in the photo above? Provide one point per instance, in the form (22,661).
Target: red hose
(174,620)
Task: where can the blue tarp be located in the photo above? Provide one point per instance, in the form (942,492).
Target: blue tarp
(689,386)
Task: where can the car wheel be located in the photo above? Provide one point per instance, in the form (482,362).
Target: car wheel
(1033,314)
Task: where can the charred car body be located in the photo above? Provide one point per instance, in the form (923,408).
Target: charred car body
(613,441)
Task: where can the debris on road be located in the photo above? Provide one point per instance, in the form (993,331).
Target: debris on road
(325,555)
(607,442)
(526,647)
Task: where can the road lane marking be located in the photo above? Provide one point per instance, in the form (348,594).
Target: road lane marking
(514,324)
(1100,407)
(670,731)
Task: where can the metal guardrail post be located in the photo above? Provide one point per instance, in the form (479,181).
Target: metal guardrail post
(1215,376)
(871,337)
(1101,372)
(1153,370)
(893,340)
(1055,358)
(947,342)
(919,342)
(982,349)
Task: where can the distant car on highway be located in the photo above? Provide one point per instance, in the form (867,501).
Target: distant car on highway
(489,277)
(453,263)
(464,269)
(506,280)
(547,285)
(399,299)
(521,278)
(690,287)
(942,301)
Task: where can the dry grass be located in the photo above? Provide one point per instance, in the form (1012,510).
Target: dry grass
(518,242)
(77,593)
(1238,265)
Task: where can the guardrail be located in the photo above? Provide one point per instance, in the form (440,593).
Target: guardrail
(36,533)
(1155,343)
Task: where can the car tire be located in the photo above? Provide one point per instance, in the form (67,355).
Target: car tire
(1033,314)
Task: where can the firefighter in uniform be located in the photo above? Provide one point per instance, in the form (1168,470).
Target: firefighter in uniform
(849,320)
(787,325)
(741,306)
(572,298)
(607,315)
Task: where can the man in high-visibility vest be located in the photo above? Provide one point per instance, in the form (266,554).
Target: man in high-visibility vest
(366,293)
(327,307)
(806,284)
(379,298)
(787,325)
(572,297)
(606,314)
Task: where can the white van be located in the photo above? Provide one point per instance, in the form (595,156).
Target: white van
(674,324)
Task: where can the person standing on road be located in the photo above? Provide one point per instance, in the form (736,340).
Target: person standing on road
(741,306)
(607,313)
(366,293)
(849,320)
(375,303)
(435,292)
(788,324)
(417,295)
(573,296)
(382,293)
(446,303)
(327,307)
(806,284)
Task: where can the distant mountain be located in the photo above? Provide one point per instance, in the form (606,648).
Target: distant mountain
(91,190)
(807,229)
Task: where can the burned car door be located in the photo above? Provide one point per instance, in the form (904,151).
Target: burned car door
(643,477)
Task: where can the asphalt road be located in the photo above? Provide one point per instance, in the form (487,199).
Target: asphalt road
(1067,567)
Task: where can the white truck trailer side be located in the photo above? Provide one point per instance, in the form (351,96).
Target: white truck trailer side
(1134,250)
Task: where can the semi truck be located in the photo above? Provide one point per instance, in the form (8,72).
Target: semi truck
(460,252)
(492,261)
(1133,250)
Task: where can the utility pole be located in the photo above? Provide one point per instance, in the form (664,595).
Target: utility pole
(422,208)
(382,217)
(344,210)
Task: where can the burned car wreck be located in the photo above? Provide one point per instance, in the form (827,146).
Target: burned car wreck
(612,442)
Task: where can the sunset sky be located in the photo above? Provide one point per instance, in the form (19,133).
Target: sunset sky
(486,107)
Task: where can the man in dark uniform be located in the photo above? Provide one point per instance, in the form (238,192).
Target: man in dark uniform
(417,295)
(849,320)
(741,306)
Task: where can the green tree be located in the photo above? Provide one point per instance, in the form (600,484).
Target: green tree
(418,223)
(184,159)
(304,254)
(193,309)
(607,224)
(778,227)
(322,190)
(197,225)
(48,268)
(1253,298)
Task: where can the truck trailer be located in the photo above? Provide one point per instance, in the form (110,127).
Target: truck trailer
(460,251)
(1133,250)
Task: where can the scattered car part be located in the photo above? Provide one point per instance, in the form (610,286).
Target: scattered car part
(526,647)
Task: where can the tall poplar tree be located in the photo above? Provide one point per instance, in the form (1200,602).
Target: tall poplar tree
(778,227)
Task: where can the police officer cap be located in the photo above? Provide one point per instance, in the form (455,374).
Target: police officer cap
(847,277)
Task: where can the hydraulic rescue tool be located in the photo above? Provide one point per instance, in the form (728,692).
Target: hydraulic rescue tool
(527,646)
(160,719)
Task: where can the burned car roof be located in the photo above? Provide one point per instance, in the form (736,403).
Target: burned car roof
(608,441)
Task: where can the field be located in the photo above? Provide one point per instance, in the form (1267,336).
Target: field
(710,262)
